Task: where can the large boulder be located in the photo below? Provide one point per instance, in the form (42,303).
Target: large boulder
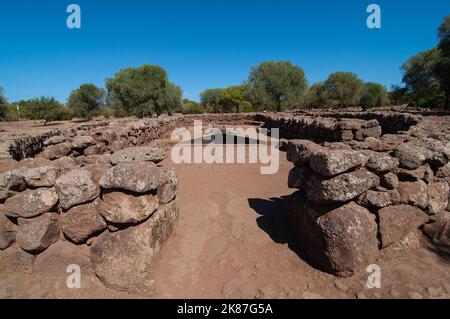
(37,234)
(123,260)
(341,188)
(299,151)
(438,193)
(123,208)
(7,232)
(333,162)
(340,241)
(30,203)
(139,154)
(397,221)
(82,221)
(168,185)
(139,177)
(414,193)
(76,187)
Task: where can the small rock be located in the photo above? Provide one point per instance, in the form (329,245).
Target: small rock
(81,222)
(37,234)
(43,176)
(7,232)
(30,203)
(438,193)
(168,185)
(76,187)
(389,180)
(139,154)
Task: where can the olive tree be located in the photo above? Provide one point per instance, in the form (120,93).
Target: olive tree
(139,91)
(276,85)
(86,101)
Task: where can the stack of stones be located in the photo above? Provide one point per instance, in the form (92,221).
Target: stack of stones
(123,206)
(353,203)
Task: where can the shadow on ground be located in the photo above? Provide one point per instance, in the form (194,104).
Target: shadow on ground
(273,220)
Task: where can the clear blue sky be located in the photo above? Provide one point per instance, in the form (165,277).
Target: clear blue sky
(205,43)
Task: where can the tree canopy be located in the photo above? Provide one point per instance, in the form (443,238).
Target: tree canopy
(86,101)
(210,99)
(275,85)
(442,67)
(142,91)
(373,95)
(43,108)
(342,89)
(420,79)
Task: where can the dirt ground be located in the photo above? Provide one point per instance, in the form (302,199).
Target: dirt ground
(231,241)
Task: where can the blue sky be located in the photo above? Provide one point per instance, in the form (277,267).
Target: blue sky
(205,43)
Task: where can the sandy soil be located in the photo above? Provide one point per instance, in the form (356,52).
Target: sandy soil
(231,241)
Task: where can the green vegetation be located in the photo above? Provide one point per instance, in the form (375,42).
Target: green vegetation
(373,95)
(143,91)
(277,85)
(43,108)
(86,101)
(3,105)
(427,74)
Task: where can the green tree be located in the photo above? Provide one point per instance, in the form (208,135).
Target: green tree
(398,95)
(3,105)
(139,91)
(276,85)
(172,100)
(43,108)
(421,81)
(210,99)
(315,96)
(342,89)
(86,101)
(442,67)
(192,107)
(374,95)
(233,99)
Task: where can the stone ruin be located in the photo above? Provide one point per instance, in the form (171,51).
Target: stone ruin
(367,182)
(362,196)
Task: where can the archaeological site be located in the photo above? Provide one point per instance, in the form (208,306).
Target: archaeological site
(356,193)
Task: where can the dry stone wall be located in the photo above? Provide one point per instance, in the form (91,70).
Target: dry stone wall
(123,205)
(357,198)
(365,181)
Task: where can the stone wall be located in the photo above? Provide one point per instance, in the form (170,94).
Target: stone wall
(357,199)
(366,182)
(123,205)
